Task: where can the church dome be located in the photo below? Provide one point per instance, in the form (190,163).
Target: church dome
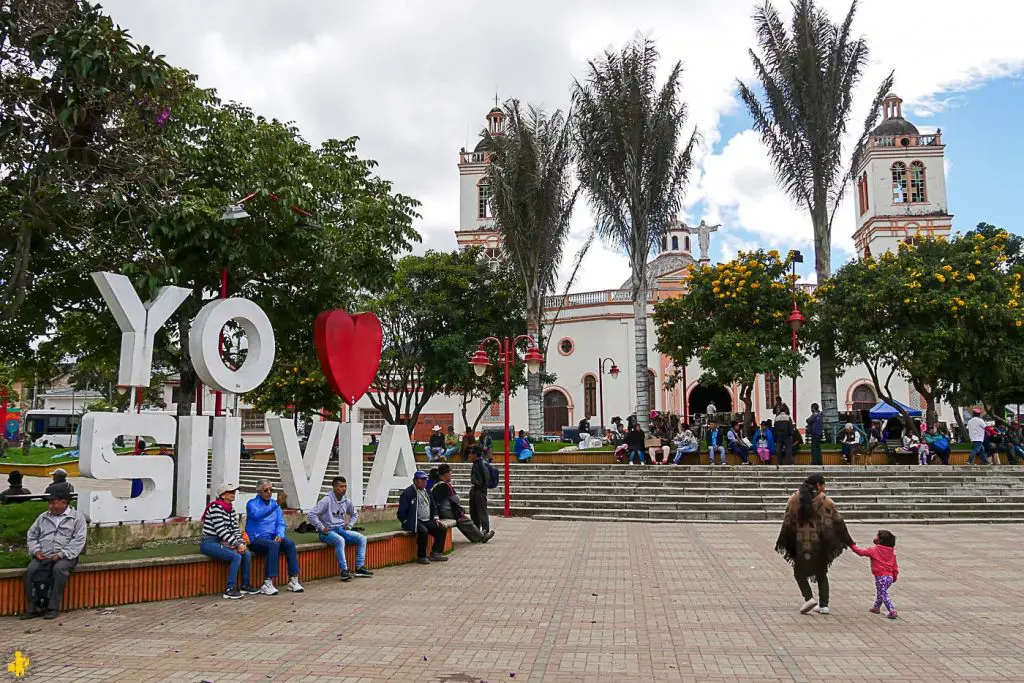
(485,143)
(897,125)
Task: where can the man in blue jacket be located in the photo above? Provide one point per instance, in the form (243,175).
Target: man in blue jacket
(418,514)
(264,524)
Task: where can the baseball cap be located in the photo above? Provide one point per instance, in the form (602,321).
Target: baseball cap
(225,487)
(420,474)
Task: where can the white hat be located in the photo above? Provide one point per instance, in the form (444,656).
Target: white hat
(437,428)
(225,487)
(849,425)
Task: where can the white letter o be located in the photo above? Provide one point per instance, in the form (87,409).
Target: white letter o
(204,345)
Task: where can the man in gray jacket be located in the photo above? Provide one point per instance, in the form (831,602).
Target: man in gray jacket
(55,540)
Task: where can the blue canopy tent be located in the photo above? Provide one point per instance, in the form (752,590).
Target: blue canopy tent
(883,411)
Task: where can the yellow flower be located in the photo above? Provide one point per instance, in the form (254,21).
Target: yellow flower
(755,285)
(1018,323)
(940,277)
(954,274)
(871,266)
(774,253)
(906,301)
(947,268)
(737,343)
(716,290)
(977,262)
(970,277)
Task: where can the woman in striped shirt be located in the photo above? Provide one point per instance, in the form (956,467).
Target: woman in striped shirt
(222,540)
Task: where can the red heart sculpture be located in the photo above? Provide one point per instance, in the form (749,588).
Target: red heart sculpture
(349,349)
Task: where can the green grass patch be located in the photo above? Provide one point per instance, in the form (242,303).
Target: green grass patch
(16,518)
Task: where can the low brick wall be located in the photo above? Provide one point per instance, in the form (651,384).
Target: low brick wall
(105,584)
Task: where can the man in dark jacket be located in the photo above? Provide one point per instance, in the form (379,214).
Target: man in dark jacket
(449,506)
(478,480)
(784,429)
(418,514)
(816,430)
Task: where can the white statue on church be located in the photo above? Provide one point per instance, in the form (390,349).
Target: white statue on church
(704,238)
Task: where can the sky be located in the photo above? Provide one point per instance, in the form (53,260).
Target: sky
(414,81)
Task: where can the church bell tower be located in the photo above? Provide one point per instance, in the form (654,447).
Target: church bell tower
(900,184)
(476,217)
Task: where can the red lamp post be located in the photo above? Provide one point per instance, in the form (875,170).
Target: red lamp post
(614,372)
(506,357)
(796,320)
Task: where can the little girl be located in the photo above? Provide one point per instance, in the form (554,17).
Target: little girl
(884,567)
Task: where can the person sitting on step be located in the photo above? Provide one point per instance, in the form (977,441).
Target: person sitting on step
(523,449)
(849,439)
(764,442)
(685,443)
(715,446)
(435,447)
(55,540)
(418,514)
(264,523)
(14,488)
(60,482)
(222,540)
(635,444)
(736,444)
(449,506)
(328,518)
(451,442)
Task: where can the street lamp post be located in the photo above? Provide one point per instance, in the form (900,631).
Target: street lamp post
(796,320)
(614,372)
(506,356)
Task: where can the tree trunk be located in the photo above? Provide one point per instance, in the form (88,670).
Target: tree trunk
(640,351)
(534,387)
(747,396)
(957,416)
(827,350)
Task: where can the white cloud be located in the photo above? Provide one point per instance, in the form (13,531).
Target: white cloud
(414,80)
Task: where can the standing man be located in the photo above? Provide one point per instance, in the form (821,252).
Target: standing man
(783,432)
(816,429)
(976,433)
(328,516)
(418,514)
(264,522)
(55,540)
(479,480)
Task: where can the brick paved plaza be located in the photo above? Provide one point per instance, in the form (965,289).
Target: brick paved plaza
(562,601)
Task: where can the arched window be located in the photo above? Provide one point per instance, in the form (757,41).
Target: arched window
(652,386)
(899,183)
(664,244)
(918,191)
(686,241)
(862,193)
(590,396)
(772,391)
(483,206)
(863,397)
(675,243)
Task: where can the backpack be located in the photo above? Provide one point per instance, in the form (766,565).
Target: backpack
(492,476)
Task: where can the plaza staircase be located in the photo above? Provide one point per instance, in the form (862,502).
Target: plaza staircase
(700,493)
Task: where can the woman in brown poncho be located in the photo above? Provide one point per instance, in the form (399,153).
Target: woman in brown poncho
(813,535)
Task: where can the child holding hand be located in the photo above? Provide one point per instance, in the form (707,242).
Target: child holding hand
(884,567)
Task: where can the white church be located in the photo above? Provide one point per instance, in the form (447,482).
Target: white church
(900,194)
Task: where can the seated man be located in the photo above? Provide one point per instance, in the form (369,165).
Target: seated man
(60,482)
(451,442)
(328,516)
(264,523)
(715,446)
(55,540)
(938,444)
(875,438)
(418,514)
(222,540)
(736,445)
(449,506)
(435,447)
(849,439)
(14,488)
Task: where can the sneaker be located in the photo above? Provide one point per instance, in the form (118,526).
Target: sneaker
(53,614)
(893,614)
(232,594)
(823,610)
(268,588)
(808,606)
(875,610)
(344,575)
(294,586)
(363,573)
(422,560)
(249,590)
(30,615)
(438,557)
(488,536)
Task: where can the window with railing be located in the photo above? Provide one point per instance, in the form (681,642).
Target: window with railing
(372,419)
(918,191)
(253,420)
(771,389)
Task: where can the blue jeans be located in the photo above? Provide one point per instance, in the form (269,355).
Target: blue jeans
(338,537)
(740,450)
(452,450)
(640,454)
(977,448)
(683,450)
(266,546)
(211,547)
(720,450)
(434,453)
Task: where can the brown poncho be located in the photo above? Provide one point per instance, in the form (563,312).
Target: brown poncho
(809,544)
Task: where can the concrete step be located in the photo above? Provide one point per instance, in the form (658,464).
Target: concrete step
(872,521)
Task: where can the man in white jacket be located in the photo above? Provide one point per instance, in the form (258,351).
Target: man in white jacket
(976,433)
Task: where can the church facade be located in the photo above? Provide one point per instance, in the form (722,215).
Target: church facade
(900,195)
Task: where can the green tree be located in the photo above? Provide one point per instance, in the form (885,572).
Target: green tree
(628,134)
(439,308)
(80,111)
(808,76)
(734,318)
(944,315)
(533,198)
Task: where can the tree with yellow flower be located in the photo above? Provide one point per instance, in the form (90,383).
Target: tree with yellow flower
(733,318)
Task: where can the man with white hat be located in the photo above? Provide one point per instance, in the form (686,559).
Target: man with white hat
(436,447)
(222,540)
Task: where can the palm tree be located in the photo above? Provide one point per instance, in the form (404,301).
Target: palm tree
(532,199)
(629,160)
(808,76)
